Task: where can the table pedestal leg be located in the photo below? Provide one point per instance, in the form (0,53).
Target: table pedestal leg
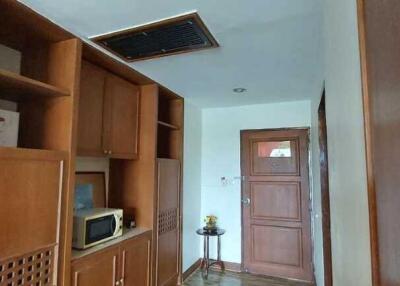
(203,261)
(219,260)
(207,255)
(206,263)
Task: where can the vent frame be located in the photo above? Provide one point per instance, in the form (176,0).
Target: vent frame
(195,17)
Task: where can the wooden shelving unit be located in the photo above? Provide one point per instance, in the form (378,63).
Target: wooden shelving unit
(47,94)
(169,188)
(15,87)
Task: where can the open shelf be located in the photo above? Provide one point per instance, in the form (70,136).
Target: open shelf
(170,125)
(13,86)
(165,124)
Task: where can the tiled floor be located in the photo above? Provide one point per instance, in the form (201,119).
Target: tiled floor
(237,279)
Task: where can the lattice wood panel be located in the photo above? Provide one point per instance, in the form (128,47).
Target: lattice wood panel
(32,269)
(167,221)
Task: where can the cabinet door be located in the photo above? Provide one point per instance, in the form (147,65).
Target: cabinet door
(98,269)
(90,120)
(168,222)
(30,211)
(121,117)
(135,265)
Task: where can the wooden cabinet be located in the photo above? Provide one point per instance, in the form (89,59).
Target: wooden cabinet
(90,131)
(108,114)
(121,114)
(100,269)
(127,263)
(168,239)
(135,261)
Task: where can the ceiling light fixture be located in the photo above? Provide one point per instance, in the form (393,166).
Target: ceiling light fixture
(239,90)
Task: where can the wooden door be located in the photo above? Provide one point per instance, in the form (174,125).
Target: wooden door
(121,118)
(135,261)
(30,192)
(90,120)
(275,208)
(379,43)
(168,222)
(98,269)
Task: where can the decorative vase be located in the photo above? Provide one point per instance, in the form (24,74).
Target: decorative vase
(211,223)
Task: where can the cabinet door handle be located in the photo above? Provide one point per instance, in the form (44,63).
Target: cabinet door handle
(123,265)
(105,151)
(109,152)
(117,283)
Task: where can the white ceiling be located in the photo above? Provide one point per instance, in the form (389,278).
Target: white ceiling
(270,47)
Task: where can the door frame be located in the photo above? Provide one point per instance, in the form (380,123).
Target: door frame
(242,166)
(325,198)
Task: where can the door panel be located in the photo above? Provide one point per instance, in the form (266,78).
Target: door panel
(121,117)
(276,221)
(90,126)
(98,269)
(167,257)
(280,201)
(168,222)
(283,245)
(135,266)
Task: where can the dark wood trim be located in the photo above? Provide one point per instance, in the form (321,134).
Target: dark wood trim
(191,269)
(325,200)
(373,225)
(229,266)
(195,16)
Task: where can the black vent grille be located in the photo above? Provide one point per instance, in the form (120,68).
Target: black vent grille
(182,34)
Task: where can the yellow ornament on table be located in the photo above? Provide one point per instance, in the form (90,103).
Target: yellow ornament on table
(211,223)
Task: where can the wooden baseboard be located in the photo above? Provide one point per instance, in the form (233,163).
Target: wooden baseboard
(229,266)
(191,269)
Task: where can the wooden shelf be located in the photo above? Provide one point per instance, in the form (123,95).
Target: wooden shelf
(27,153)
(174,127)
(13,86)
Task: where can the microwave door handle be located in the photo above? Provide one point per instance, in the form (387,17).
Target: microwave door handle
(113,224)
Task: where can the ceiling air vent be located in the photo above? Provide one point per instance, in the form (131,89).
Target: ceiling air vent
(176,35)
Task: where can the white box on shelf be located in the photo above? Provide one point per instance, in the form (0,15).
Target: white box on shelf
(9,123)
(10,59)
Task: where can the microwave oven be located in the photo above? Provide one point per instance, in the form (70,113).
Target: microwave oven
(94,226)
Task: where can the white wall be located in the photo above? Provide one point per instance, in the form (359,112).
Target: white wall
(347,168)
(316,193)
(221,158)
(191,185)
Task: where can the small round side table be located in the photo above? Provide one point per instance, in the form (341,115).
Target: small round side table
(206,262)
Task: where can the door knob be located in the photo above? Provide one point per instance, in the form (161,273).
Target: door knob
(246,201)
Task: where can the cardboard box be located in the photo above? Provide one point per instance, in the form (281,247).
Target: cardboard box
(9,124)
(10,59)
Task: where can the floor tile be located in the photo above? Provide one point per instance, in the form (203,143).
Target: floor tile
(237,279)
